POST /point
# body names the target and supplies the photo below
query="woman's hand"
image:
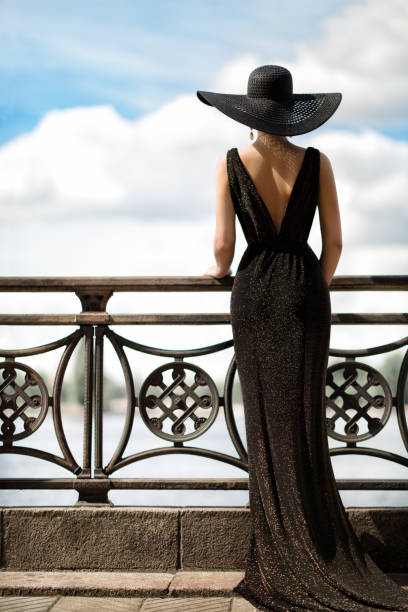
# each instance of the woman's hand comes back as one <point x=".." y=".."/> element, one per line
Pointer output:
<point x="215" y="272"/>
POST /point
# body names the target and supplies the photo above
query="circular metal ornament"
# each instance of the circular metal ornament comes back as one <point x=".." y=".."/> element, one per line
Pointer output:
<point x="23" y="396"/>
<point x="359" y="399"/>
<point x="178" y="401"/>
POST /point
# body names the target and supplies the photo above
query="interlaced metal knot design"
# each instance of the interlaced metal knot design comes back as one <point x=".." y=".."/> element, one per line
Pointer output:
<point x="23" y="400"/>
<point x="358" y="401"/>
<point x="178" y="401"/>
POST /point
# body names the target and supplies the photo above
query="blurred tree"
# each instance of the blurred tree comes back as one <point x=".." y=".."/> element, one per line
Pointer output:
<point x="390" y="370"/>
<point x="78" y="375"/>
<point x="73" y="387"/>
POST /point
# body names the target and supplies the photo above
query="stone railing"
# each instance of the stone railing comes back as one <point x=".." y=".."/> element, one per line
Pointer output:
<point x="178" y="401"/>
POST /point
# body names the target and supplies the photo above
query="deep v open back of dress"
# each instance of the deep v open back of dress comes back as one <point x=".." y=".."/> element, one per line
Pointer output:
<point x="262" y="201"/>
<point x="303" y="553"/>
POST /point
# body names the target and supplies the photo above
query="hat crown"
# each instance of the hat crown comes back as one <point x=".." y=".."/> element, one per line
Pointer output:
<point x="273" y="82"/>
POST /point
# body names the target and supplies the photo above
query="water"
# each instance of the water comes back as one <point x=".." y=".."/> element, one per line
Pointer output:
<point x="184" y="466"/>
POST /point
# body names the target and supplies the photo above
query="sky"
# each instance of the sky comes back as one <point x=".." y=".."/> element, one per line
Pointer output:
<point x="107" y="157"/>
<point x="135" y="55"/>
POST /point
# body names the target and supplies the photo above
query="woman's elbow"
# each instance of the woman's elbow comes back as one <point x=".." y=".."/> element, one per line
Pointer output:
<point x="333" y="245"/>
<point x="224" y="245"/>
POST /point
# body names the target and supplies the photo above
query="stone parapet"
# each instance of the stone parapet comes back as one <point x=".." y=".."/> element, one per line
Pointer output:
<point x="165" y="539"/>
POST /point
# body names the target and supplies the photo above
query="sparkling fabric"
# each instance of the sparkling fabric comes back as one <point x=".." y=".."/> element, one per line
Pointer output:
<point x="303" y="553"/>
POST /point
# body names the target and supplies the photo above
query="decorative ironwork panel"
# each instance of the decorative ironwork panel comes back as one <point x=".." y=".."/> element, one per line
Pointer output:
<point x="184" y="404"/>
<point x="23" y="400"/>
<point x="359" y="400"/>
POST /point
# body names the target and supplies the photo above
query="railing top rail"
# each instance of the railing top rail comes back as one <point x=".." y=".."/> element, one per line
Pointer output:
<point x="75" y="284"/>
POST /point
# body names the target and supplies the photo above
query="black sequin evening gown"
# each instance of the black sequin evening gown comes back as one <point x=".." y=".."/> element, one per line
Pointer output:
<point x="303" y="553"/>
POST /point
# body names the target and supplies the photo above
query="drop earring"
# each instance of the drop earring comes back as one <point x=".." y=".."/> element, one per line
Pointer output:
<point x="251" y="134"/>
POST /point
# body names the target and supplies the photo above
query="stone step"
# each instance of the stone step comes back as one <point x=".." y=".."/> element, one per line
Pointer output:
<point x="124" y="604"/>
<point x="119" y="584"/>
<point x="181" y="584"/>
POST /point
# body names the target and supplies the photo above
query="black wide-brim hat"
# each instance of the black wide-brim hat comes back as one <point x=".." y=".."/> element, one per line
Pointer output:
<point x="271" y="106"/>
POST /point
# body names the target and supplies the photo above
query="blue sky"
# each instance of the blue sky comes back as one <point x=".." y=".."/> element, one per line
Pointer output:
<point x="135" y="55"/>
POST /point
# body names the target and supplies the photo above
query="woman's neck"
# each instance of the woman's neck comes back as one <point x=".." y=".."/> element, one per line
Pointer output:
<point x="272" y="143"/>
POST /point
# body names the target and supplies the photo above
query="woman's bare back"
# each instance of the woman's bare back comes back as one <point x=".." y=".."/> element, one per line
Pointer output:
<point x="274" y="167"/>
<point x="274" y="173"/>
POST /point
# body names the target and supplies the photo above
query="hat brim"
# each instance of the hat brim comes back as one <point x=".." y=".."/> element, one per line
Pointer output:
<point x="302" y="113"/>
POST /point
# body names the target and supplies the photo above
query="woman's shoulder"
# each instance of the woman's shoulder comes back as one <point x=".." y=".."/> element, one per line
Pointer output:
<point x="325" y="163"/>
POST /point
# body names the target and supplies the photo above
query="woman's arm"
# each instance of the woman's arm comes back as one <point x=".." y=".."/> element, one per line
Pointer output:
<point x="224" y="240"/>
<point x="329" y="216"/>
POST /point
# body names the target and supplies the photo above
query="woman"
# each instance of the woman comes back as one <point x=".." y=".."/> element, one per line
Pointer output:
<point x="303" y="553"/>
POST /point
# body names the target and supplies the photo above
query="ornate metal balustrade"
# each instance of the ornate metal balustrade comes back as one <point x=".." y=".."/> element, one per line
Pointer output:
<point x="178" y="401"/>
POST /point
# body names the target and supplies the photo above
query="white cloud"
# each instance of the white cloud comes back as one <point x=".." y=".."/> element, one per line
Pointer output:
<point x="87" y="160"/>
<point x="372" y="182"/>
<point x="362" y="53"/>
<point x="90" y="161"/>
